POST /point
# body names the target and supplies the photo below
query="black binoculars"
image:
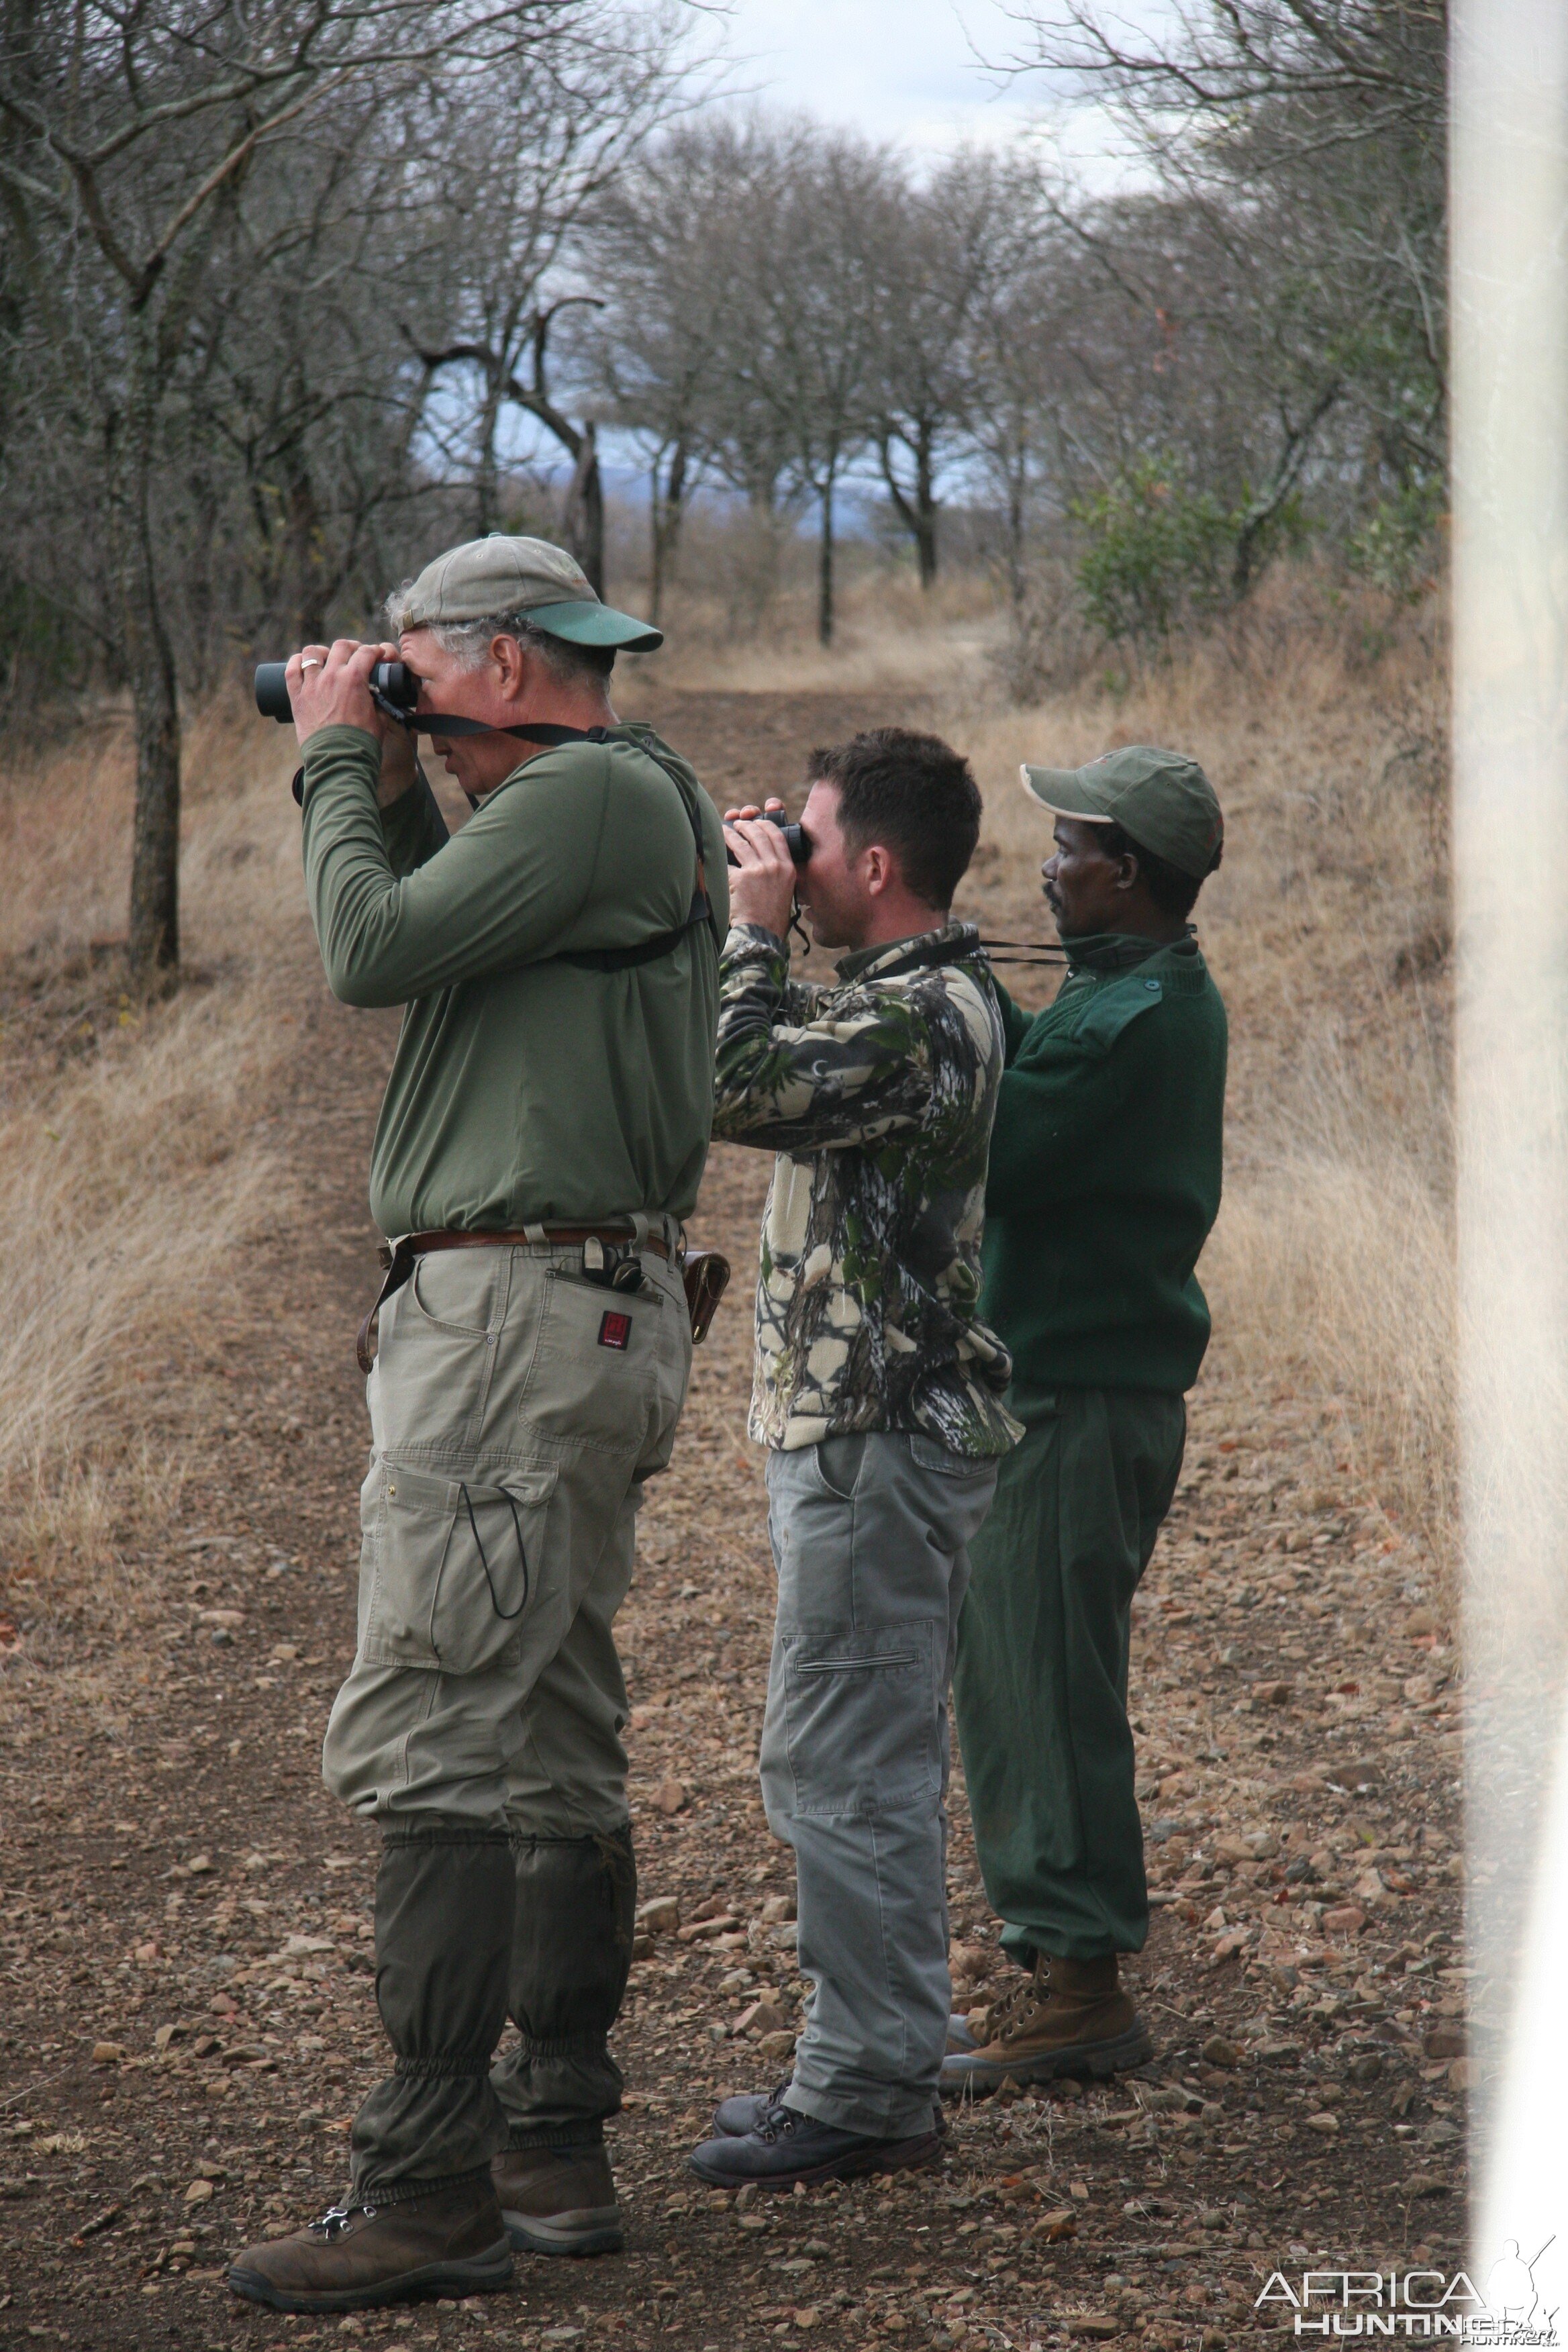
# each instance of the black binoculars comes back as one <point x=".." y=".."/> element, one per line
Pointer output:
<point x="392" y="687"/>
<point x="797" y="841"/>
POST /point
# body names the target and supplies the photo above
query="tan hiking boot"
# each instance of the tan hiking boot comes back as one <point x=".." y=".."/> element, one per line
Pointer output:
<point x="1071" y="2018"/>
<point x="995" y="2018"/>
<point x="559" y="2200"/>
<point x="450" y="2241"/>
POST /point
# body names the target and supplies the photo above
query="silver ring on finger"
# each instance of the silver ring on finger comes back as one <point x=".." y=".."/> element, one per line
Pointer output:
<point x="310" y="664"/>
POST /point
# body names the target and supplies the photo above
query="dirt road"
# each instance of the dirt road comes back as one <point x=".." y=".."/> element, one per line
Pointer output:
<point x="188" y="2021"/>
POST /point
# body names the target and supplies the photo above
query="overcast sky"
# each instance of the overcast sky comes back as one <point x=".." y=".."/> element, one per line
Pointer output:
<point x="914" y="71"/>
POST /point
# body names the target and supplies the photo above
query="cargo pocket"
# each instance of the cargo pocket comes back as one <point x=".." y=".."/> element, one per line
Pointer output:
<point x="860" y="1719"/>
<point x="455" y="1564"/>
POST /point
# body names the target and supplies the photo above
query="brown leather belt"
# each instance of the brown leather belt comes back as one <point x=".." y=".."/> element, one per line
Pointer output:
<point x="399" y="1259"/>
<point x="417" y="1244"/>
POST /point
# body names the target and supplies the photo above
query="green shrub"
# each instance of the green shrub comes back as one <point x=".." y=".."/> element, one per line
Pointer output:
<point x="1395" y="547"/>
<point x="1155" y="553"/>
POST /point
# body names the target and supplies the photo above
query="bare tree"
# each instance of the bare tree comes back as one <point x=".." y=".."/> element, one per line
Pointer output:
<point x="804" y="349"/>
<point x="299" y="408"/>
<point x="582" y="513"/>
<point x="514" y="208"/>
<point x="671" y="251"/>
<point x="941" y="253"/>
<point x="1316" y="131"/>
<point x="130" y="137"/>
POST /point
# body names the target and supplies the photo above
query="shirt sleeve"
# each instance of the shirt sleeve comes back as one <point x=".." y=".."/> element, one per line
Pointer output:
<point x="495" y="895"/>
<point x="793" y="1073"/>
<point x="1052" y="1099"/>
<point x="413" y="827"/>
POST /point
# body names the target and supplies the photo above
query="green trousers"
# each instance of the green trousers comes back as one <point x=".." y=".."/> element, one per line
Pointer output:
<point x="1040" y="1685"/>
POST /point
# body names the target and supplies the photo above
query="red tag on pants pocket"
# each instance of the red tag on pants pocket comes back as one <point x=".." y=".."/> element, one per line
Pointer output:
<point x="614" y="1330"/>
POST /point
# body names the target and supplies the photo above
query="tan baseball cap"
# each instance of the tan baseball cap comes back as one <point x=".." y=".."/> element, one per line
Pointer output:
<point x="1162" y="799"/>
<point x="497" y="574"/>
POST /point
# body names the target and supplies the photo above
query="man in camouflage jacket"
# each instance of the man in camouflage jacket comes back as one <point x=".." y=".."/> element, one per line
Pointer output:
<point x="879" y="1393"/>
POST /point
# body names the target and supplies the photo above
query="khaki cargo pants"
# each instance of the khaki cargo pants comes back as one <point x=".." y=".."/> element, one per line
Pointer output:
<point x="516" y="1411"/>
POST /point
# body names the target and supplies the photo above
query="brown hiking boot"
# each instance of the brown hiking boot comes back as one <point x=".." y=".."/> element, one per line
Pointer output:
<point x="1070" y="2018"/>
<point x="994" y="2019"/>
<point x="450" y="2241"/>
<point x="559" y="2200"/>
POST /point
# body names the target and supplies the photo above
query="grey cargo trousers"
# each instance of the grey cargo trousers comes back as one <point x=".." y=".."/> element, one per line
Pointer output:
<point x="516" y="1411"/>
<point x="870" y="1538"/>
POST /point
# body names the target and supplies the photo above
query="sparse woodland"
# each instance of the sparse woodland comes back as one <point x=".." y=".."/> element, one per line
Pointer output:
<point x="291" y="297"/>
<point x="285" y="292"/>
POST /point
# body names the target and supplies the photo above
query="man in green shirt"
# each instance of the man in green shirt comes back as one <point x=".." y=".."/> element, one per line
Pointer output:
<point x="542" y="1138"/>
<point x="1104" y="1181"/>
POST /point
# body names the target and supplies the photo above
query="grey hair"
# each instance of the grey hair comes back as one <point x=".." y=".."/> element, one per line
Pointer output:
<point x="469" y="641"/>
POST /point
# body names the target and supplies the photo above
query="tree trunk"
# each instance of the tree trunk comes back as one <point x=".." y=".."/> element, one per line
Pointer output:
<point x="200" y="600"/>
<point x="302" y="555"/>
<point x="925" y="509"/>
<point x="154" y="925"/>
<point x="824" y="569"/>
<point x="1015" y="581"/>
<point x="919" y="518"/>
<point x="585" y="516"/>
<point x="487" y="494"/>
<point x="669" y="510"/>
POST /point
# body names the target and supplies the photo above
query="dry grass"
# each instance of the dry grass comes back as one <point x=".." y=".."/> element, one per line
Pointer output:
<point x="886" y="634"/>
<point x="133" y="1154"/>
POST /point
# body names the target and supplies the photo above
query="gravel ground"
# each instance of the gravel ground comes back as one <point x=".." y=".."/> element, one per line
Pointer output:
<point x="188" y="2021"/>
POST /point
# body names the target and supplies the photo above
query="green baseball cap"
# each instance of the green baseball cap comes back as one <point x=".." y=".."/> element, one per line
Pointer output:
<point x="497" y="574"/>
<point x="1162" y="799"/>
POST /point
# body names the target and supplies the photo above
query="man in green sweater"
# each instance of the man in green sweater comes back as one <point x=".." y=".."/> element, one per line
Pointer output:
<point x="540" y="1140"/>
<point x="1104" y="1182"/>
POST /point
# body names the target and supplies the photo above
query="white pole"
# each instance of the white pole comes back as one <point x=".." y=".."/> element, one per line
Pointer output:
<point x="1510" y="212"/>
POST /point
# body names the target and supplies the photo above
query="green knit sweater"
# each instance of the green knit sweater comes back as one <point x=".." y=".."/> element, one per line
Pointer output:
<point x="1105" y="1171"/>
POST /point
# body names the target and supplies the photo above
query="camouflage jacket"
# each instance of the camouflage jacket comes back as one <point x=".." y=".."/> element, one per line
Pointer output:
<point x="878" y="1096"/>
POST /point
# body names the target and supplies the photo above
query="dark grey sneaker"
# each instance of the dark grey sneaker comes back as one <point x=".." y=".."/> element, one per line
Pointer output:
<point x="734" y="2118"/>
<point x="785" y="2146"/>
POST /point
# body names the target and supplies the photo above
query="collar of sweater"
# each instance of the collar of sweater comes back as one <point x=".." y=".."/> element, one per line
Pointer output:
<point x="1121" y="951"/>
<point x="949" y="945"/>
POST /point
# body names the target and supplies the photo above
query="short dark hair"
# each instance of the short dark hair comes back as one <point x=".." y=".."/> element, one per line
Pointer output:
<point x="1172" y="891"/>
<point x="913" y="792"/>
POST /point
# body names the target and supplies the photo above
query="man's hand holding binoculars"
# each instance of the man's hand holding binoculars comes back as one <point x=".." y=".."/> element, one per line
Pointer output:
<point x="762" y="871"/>
<point x="330" y="687"/>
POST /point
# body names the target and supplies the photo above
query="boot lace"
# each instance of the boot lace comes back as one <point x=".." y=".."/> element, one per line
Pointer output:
<point x="336" y="2219"/>
<point x="1014" y="2007"/>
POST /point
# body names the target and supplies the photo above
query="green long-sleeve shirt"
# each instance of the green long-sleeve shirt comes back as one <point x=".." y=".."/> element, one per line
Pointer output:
<point x="1105" y="1171"/>
<point x="525" y="1089"/>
